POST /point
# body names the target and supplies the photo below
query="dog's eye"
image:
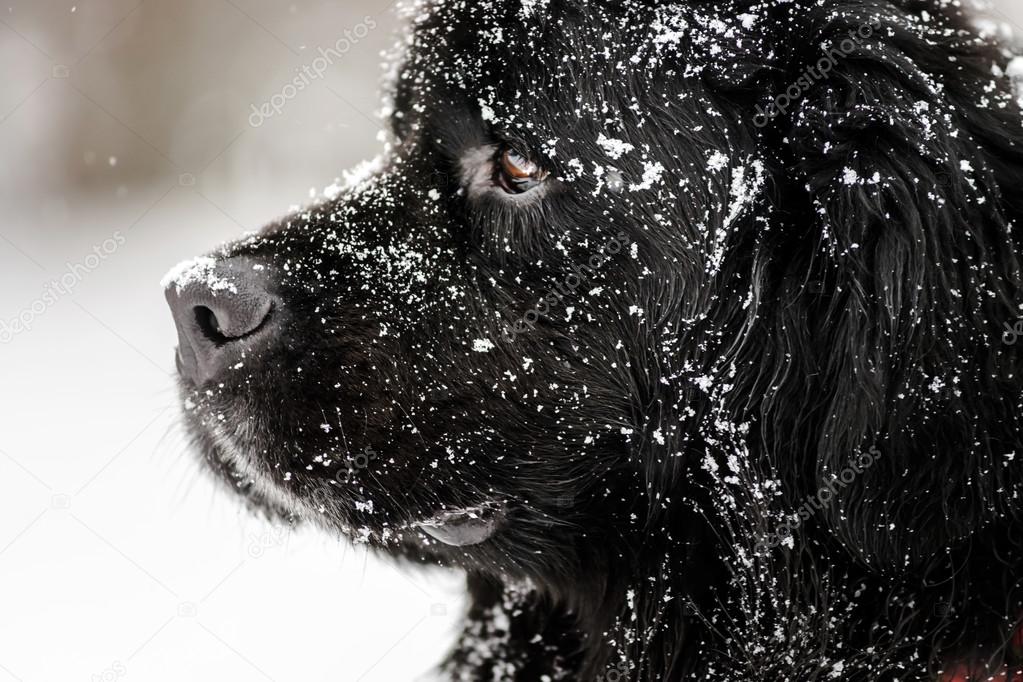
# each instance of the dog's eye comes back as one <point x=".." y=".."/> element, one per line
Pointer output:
<point x="516" y="173"/>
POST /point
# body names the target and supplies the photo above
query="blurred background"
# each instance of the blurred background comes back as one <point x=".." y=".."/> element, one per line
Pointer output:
<point x="133" y="135"/>
<point x="129" y="142"/>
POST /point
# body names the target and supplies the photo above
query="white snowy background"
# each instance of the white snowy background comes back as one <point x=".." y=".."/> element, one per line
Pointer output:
<point x="119" y="560"/>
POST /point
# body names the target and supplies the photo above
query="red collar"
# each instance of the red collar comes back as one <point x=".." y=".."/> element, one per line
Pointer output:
<point x="966" y="672"/>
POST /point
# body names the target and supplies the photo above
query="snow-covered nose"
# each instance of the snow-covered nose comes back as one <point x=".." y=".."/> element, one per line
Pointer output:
<point x="220" y="308"/>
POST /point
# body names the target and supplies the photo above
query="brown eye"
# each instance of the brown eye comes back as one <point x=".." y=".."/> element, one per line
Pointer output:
<point x="517" y="173"/>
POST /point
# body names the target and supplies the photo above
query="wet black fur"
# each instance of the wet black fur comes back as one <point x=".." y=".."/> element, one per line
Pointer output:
<point x="647" y="446"/>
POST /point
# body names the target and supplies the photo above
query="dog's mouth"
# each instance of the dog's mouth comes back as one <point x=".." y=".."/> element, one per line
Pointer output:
<point x="455" y="527"/>
<point x="464" y="527"/>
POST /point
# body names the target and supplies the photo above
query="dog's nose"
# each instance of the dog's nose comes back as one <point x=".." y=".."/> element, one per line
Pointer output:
<point x="220" y="308"/>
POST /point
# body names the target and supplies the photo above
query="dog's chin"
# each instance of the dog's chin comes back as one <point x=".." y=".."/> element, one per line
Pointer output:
<point x="459" y="527"/>
<point x="259" y="497"/>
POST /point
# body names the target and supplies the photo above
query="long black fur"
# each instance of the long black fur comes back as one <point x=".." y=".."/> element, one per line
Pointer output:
<point x="792" y="291"/>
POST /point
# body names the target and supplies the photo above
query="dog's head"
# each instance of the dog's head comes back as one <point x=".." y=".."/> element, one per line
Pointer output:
<point x="613" y="257"/>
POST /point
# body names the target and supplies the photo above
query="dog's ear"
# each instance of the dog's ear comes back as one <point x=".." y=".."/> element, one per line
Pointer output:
<point x="895" y="279"/>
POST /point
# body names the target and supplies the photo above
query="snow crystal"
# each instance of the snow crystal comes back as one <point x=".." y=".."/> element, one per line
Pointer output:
<point x="532" y="7"/>
<point x="616" y="149"/>
<point x="744" y="190"/>
<point x="1015" y="71"/>
<point x="717" y="161"/>
<point x="201" y="269"/>
<point x="670" y="28"/>
<point x="705" y="383"/>
<point x="362" y="175"/>
<point x="651" y="175"/>
<point x="332" y="191"/>
<point x="482" y="345"/>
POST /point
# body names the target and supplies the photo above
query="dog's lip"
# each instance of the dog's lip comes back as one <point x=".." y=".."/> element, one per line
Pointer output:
<point x="466" y="526"/>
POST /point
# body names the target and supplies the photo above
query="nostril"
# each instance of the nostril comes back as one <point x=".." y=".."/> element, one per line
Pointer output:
<point x="209" y="325"/>
<point x="231" y="323"/>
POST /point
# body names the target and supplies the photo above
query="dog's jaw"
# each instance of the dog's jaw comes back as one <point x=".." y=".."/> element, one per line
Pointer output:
<point x="228" y="449"/>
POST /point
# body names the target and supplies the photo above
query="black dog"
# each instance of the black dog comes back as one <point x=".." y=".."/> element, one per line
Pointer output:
<point x="687" y="330"/>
